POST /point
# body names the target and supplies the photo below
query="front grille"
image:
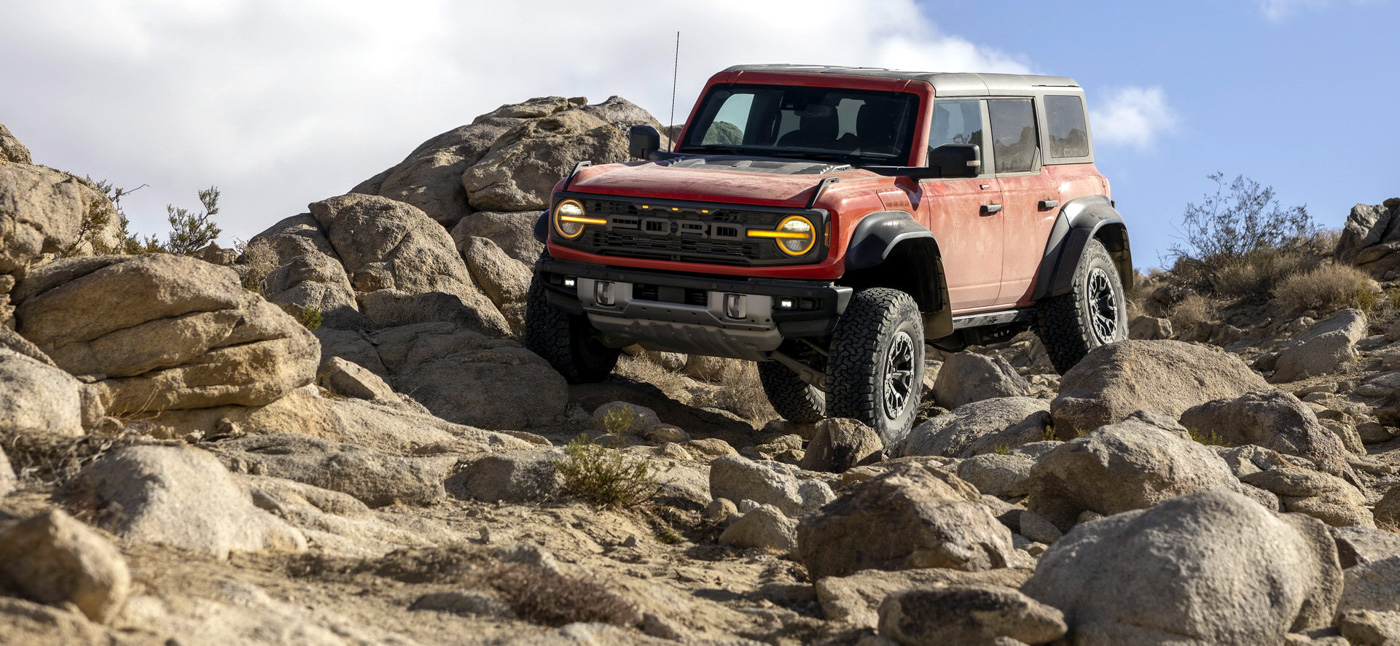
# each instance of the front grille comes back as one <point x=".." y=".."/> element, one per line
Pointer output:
<point x="713" y="234"/>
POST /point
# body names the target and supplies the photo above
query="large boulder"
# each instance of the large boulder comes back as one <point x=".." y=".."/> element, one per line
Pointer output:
<point x="303" y="270"/>
<point x="1373" y="586"/>
<point x="42" y="211"/>
<point x="979" y="427"/>
<point x="386" y="245"/>
<point x="505" y="280"/>
<point x="512" y="231"/>
<point x="738" y="478"/>
<point x="1207" y="568"/>
<point x="1274" y="420"/>
<point x="38" y="398"/>
<point x="1327" y="498"/>
<point x="968" y="614"/>
<point x="510" y="476"/>
<point x="764" y="527"/>
<point x="159" y="331"/>
<point x="856" y="598"/>
<point x="1165" y="377"/>
<point x="841" y="443"/>
<point x="1322" y="349"/>
<point x="967" y="377"/>
<point x="55" y="559"/>
<point x="1370" y="238"/>
<point x="1121" y="467"/>
<point x="11" y="149"/>
<point x="925" y="519"/>
<point x="470" y="378"/>
<point x="181" y="497"/>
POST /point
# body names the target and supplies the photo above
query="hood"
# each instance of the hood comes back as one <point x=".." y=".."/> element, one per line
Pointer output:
<point x="765" y="182"/>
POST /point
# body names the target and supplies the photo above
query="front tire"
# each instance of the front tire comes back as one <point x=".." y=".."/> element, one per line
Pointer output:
<point x="1094" y="312"/>
<point x="567" y="341"/>
<point x="794" y="400"/>
<point x="875" y="370"/>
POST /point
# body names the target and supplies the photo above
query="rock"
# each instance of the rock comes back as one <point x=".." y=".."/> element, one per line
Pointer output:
<point x="1038" y="528"/>
<point x="930" y="519"/>
<point x="512" y="231"/>
<point x="968" y="614"/>
<point x="710" y="447"/>
<point x="1165" y="377"/>
<point x="1247" y="459"/>
<point x="511" y="477"/>
<point x="8" y="481"/>
<point x="1121" y="467"/>
<point x="339" y="525"/>
<point x="768" y="483"/>
<point x="302" y="269"/>
<point x="181" y="497"/>
<point x="353" y="380"/>
<point x="1209" y="568"/>
<point x="1373" y="433"/>
<point x="1274" y="420"/>
<point x="840" y="444"/>
<point x="1322" y="349"/>
<point x="32" y="624"/>
<point x="187" y="335"/>
<point x="466" y="604"/>
<point x="11" y="149"/>
<point x="1149" y="328"/>
<point x="967" y="377"/>
<point x="1327" y="498"/>
<point x="505" y="280"/>
<point x="389" y="245"/>
<point x="55" y="559"/>
<point x="623" y="418"/>
<point x="374" y="478"/>
<point x="1369" y="627"/>
<point x="42" y="211"/>
<point x="526" y="161"/>
<point x="12" y="341"/>
<point x="855" y="599"/>
<point x="1357" y="545"/>
<point x="468" y="378"/>
<point x="979" y="427"/>
<point x="1002" y="475"/>
<point x="38" y="398"/>
<point x="765" y="527"/>
<point x="720" y="509"/>
<point x="666" y="433"/>
<point x="1372" y="586"/>
<point x="1368" y="239"/>
<point x="1387" y="510"/>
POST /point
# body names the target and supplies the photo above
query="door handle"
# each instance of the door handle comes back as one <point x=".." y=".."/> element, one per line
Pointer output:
<point x="1048" y="204"/>
<point x="990" y="209"/>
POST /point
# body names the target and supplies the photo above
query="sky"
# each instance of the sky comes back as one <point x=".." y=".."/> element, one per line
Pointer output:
<point x="285" y="102"/>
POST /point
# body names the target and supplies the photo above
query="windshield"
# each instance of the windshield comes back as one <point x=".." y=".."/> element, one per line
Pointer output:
<point x="830" y="124"/>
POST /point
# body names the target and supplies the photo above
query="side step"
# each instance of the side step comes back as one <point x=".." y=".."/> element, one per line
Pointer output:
<point x="992" y="318"/>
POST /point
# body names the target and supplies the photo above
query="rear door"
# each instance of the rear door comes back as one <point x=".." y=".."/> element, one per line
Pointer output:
<point x="965" y="214"/>
<point x="1029" y="198"/>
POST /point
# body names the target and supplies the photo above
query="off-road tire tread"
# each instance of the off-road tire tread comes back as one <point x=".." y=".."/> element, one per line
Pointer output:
<point x="1061" y="322"/>
<point x="794" y="400"/>
<point x="851" y="372"/>
<point x="549" y="334"/>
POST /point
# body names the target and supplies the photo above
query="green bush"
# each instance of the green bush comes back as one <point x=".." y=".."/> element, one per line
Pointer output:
<point x="1240" y="236"/>
<point x="606" y="476"/>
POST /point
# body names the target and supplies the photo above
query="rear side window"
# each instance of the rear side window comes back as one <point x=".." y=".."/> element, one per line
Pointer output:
<point x="1069" y="136"/>
<point x="1014" y="140"/>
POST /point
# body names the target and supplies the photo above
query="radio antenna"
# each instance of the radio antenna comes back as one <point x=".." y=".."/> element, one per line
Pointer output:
<point x="675" y="73"/>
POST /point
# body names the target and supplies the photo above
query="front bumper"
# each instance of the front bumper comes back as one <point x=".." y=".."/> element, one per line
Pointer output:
<point x="708" y="315"/>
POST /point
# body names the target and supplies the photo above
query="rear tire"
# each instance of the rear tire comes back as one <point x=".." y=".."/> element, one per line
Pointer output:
<point x="567" y="341"/>
<point x="1094" y="312"/>
<point x="794" y="400"/>
<point x="875" y="369"/>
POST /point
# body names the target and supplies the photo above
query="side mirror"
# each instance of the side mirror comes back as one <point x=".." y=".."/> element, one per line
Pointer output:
<point x="956" y="160"/>
<point x="642" y="141"/>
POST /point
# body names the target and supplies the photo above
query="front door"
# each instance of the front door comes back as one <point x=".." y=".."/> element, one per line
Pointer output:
<point x="965" y="214"/>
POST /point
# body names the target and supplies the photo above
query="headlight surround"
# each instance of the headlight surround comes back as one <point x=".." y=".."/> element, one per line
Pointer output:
<point x="795" y="235"/>
<point x="569" y="219"/>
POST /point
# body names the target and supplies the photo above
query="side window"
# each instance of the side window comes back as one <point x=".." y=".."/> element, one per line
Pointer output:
<point x="1069" y="136"/>
<point x="1014" y="139"/>
<point x="956" y="122"/>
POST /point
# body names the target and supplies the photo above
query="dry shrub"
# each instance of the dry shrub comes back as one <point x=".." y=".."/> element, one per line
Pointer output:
<point x="1191" y="312"/>
<point x="1259" y="272"/>
<point x="55" y="459"/>
<point x="743" y="394"/>
<point x="260" y="259"/>
<point x="552" y="598"/>
<point x="1326" y="289"/>
<point x="713" y="369"/>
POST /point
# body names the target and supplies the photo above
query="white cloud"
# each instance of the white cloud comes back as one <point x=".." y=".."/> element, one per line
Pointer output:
<point x="1131" y="116"/>
<point x="1279" y="9"/>
<point x="283" y="103"/>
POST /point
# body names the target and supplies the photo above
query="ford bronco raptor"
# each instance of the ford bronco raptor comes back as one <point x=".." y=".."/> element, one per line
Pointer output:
<point x="827" y="222"/>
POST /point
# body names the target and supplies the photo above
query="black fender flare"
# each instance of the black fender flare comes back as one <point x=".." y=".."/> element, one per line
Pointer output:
<point x="542" y="228"/>
<point x="1081" y="220"/>
<point x="896" y="236"/>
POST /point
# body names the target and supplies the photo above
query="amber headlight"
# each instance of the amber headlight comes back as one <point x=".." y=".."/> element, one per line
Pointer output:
<point x="569" y="219"/>
<point x="795" y="235"/>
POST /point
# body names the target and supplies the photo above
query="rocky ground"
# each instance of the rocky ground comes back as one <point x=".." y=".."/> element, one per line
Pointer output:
<point x="185" y="461"/>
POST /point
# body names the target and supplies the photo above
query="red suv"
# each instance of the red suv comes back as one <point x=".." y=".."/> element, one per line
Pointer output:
<point x="827" y="222"/>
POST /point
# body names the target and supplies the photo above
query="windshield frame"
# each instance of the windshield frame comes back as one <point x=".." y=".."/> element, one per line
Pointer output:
<point x="706" y="111"/>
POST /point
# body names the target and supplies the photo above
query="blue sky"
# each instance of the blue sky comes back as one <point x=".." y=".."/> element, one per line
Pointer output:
<point x="281" y="103"/>
<point x="1303" y="96"/>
